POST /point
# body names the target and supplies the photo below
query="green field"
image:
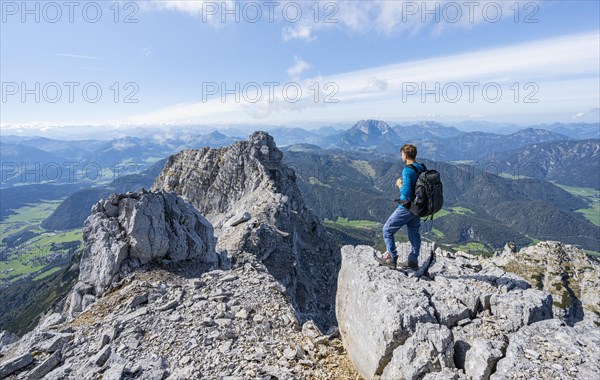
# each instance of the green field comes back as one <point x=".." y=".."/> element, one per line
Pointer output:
<point x="31" y="255"/>
<point x="46" y="273"/>
<point x="592" y="196"/>
<point x="27" y="217"/>
<point x="471" y="247"/>
<point x="453" y="210"/>
<point x="437" y="233"/>
<point x="367" y="224"/>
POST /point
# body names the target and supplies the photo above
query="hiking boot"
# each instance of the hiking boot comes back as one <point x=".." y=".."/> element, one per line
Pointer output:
<point x="387" y="260"/>
<point x="408" y="265"/>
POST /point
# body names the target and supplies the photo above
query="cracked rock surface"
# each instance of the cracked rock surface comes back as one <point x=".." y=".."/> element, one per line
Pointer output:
<point x="458" y="316"/>
<point x="127" y="231"/>
<point x="189" y="324"/>
<point x="251" y="198"/>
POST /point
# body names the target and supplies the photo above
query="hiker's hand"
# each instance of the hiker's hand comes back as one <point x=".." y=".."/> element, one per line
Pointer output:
<point x="399" y="182"/>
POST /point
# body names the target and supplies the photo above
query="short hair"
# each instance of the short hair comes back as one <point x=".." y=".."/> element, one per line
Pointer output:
<point x="410" y="151"/>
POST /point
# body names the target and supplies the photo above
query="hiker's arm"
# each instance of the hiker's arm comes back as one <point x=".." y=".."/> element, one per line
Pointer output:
<point x="406" y="185"/>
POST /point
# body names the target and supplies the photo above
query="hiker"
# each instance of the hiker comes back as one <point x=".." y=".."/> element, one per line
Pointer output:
<point x="403" y="216"/>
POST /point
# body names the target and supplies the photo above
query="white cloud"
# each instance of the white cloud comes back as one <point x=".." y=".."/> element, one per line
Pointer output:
<point x="385" y="17"/>
<point x="556" y="65"/>
<point x="69" y="55"/>
<point x="298" y="68"/>
<point x="376" y="85"/>
<point x="594" y="112"/>
<point x="297" y="32"/>
<point x="148" y="51"/>
<point x="564" y="68"/>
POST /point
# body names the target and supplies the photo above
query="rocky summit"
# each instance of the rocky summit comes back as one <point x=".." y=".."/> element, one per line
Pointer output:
<point x="220" y="271"/>
<point x="254" y="204"/>
<point x="458" y="317"/>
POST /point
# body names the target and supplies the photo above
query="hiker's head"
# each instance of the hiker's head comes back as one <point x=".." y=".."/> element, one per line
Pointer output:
<point x="409" y="152"/>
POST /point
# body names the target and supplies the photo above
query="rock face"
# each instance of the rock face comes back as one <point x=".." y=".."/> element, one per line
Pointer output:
<point x="127" y="231"/>
<point x="458" y="316"/>
<point x="176" y="322"/>
<point x="252" y="200"/>
<point x="566" y="272"/>
<point x="156" y="300"/>
<point x="552" y="350"/>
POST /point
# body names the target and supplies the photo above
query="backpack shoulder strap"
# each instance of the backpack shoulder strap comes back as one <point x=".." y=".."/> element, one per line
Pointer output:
<point x="417" y="170"/>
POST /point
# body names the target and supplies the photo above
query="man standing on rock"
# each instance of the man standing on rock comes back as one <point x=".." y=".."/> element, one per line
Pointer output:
<point x="402" y="214"/>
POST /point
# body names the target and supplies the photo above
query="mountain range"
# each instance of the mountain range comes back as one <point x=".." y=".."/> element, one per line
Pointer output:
<point x="339" y="184"/>
<point x="222" y="271"/>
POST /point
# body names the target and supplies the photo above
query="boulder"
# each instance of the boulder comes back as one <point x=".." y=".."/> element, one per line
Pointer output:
<point x="150" y="227"/>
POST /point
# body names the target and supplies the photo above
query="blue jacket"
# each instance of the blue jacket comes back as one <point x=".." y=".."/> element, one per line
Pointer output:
<point x="409" y="180"/>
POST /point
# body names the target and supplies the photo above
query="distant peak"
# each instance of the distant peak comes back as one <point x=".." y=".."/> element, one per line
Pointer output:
<point x="371" y="126"/>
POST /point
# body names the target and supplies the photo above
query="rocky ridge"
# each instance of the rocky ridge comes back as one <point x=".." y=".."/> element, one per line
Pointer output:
<point x="459" y="316"/>
<point x="162" y="294"/>
<point x="565" y="271"/>
<point x="178" y="323"/>
<point x="128" y="231"/>
<point x="158" y="297"/>
<point x="252" y="200"/>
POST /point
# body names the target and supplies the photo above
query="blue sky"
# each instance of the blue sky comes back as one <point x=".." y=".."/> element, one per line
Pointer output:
<point x="169" y="63"/>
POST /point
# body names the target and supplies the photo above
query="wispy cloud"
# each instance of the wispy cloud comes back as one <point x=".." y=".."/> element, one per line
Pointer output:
<point x="594" y="112"/>
<point x="380" y="16"/>
<point x="559" y="66"/>
<point x="298" y="68"/>
<point x="298" y="32"/>
<point x="70" y="55"/>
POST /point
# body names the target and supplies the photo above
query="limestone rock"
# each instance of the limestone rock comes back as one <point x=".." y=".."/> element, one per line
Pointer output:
<point x="565" y="271"/>
<point x="46" y="366"/>
<point x="249" y="177"/>
<point x="429" y="350"/>
<point x="429" y="324"/>
<point x="377" y="309"/>
<point x="9" y="366"/>
<point x="481" y="359"/>
<point x="150" y="227"/>
<point x="6" y="339"/>
<point x="522" y="307"/>
<point x="552" y="350"/>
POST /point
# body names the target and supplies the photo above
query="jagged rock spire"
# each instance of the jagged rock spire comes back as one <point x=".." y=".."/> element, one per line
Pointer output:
<point x="251" y="198"/>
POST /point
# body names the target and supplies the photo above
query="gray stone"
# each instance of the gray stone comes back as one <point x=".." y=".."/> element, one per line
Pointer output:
<point x="395" y="305"/>
<point x="45" y="367"/>
<point x="521" y="307"/>
<point x="238" y="219"/>
<point x="169" y="305"/>
<point x="430" y="349"/>
<point x="481" y="359"/>
<point x="15" y="364"/>
<point x="156" y="226"/>
<point x="138" y="300"/>
<point x="242" y="314"/>
<point x="102" y="356"/>
<point x="446" y="374"/>
<point x="530" y="352"/>
<point x="114" y="372"/>
<point x="6" y="339"/>
<point x="310" y="330"/>
<point x="53" y="344"/>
